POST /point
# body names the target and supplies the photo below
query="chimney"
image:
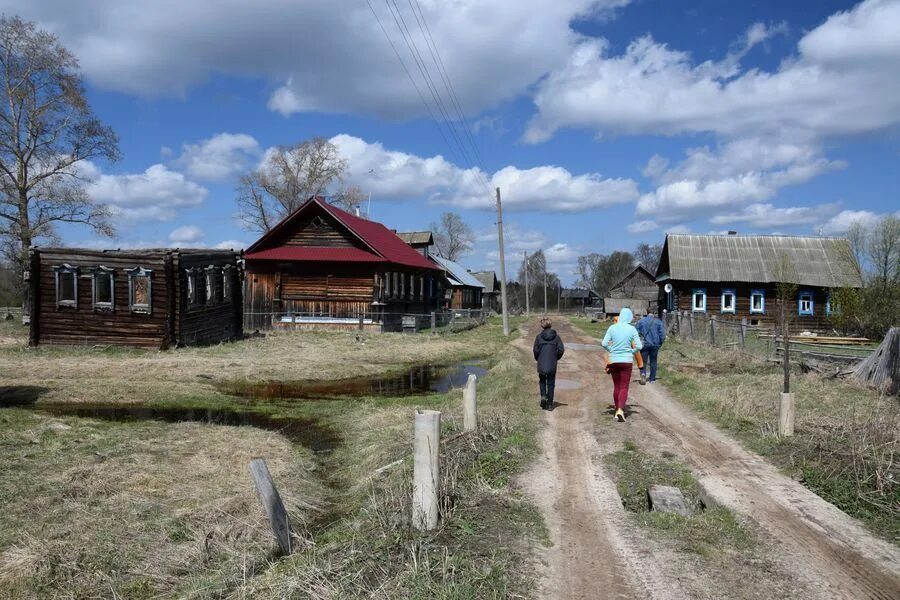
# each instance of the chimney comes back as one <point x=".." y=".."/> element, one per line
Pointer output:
<point x="732" y="233"/>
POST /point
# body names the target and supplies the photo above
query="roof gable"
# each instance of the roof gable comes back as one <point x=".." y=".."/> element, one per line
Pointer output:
<point x="458" y="272"/>
<point x="817" y="261"/>
<point x="417" y="238"/>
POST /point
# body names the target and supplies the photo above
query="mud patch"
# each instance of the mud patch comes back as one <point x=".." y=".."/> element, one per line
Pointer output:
<point x="303" y="431"/>
<point x="20" y="395"/>
<point x="421" y="379"/>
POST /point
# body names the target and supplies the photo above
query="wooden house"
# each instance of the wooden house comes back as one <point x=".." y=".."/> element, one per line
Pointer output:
<point x="145" y="298"/>
<point x="577" y="299"/>
<point x="637" y="291"/>
<point x="421" y="241"/>
<point x="735" y="276"/>
<point x="490" y="293"/>
<point x="324" y="267"/>
<point x="464" y="291"/>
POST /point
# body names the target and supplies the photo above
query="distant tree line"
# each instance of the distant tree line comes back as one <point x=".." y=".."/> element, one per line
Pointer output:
<point x="601" y="272"/>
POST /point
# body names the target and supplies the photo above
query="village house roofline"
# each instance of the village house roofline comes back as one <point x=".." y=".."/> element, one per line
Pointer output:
<point x="376" y="237"/>
<point x="417" y="237"/>
<point x="457" y="272"/>
<point x="133" y="251"/>
<point x="817" y="261"/>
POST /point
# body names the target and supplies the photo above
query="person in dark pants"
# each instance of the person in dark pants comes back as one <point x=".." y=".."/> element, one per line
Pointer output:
<point x="548" y="349"/>
<point x="653" y="335"/>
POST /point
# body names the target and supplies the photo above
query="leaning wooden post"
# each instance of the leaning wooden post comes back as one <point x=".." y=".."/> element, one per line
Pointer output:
<point x="786" y="415"/>
<point x="470" y="404"/>
<point x="712" y="329"/>
<point x="433" y="322"/>
<point x="743" y="332"/>
<point x="362" y="317"/>
<point x="271" y="501"/>
<point x="691" y="321"/>
<point x="426" y="469"/>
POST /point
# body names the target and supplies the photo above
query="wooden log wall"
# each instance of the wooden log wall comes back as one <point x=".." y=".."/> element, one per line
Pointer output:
<point x="86" y="325"/>
<point x="216" y="320"/>
<point x="318" y="228"/>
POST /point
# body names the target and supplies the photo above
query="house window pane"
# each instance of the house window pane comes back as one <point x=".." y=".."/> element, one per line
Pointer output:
<point x="66" y="287"/>
<point x="699" y="300"/>
<point x="757" y="301"/>
<point x="103" y="282"/>
<point x="728" y="301"/>
<point x="226" y="284"/>
<point x="140" y="290"/>
<point x="806" y="304"/>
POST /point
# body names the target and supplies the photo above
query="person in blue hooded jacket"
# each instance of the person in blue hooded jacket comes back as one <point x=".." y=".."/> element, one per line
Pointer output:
<point x="622" y="342"/>
<point x="653" y="334"/>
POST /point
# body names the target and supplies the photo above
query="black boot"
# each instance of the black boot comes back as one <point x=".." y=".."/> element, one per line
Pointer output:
<point x="549" y="404"/>
<point x="543" y="403"/>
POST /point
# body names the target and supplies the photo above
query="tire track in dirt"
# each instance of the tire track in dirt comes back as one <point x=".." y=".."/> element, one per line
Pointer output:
<point x="593" y="555"/>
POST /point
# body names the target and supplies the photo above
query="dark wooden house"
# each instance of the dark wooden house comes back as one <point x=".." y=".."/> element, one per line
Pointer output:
<point x="637" y="291"/>
<point x="735" y="276"/>
<point x="145" y="298"/>
<point x="324" y="267"/>
<point x="578" y="299"/>
<point x="490" y="294"/>
<point x="464" y="291"/>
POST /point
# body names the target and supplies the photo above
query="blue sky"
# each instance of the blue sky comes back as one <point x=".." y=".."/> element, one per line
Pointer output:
<point x="604" y="123"/>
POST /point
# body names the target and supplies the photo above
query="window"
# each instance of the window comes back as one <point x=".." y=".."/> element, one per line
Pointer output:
<point x="729" y="301"/>
<point x="757" y="302"/>
<point x="831" y="306"/>
<point x="698" y="302"/>
<point x="66" y="286"/>
<point x="317" y="222"/>
<point x="211" y="277"/>
<point x="103" y="288"/>
<point x="805" y="303"/>
<point x="226" y="283"/>
<point x="140" y="292"/>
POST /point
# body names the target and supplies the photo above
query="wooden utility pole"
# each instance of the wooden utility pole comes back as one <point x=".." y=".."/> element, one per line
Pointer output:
<point x="502" y="267"/>
<point x="545" y="287"/>
<point x="527" y="294"/>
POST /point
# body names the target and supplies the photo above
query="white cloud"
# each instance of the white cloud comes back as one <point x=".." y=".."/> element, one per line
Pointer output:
<point x="642" y="226"/>
<point x="826" y="90"/>
<point x="187" y="234"/>
<point x="398" y="175"/>
<point x="157" y="193"/>
<point x="218" y="158"/>
<point x="230" y="245"/>
<point x="842" y="221"/>
<point x="678" y="229"/>
<point x="325" y="56"/>
<point x="766" y="215"/>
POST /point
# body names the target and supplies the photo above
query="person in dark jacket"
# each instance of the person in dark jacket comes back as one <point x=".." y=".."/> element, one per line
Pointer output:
<point x="653" y="334"/>
<point x="548" y="349"/>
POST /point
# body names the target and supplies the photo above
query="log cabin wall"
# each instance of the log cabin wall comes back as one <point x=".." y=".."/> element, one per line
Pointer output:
<point x="83" y="322"/>
<point x="214" y="313"/>
<point x="818" y="321"/>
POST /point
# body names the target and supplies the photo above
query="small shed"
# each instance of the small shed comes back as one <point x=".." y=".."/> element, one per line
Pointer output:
<point x="577" y="298"/>
<point x="156" y="298"/>
<point x="738" y="275"/>
<point x="465" y="290"/>
<point x="637" y="291"/>
<point x="490" y="295"/>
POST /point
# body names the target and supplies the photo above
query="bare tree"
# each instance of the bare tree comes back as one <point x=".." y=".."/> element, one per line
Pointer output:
<point x="587" y="269"/>
<point x="288" y="177"/>
<point x="347" y="198"/>
<point x="648" y="255"/>
<point x="47" y="128"/>
<point x="611" y="269"/>
<point x="453" y="238"/>
<point x="883" y="252"/>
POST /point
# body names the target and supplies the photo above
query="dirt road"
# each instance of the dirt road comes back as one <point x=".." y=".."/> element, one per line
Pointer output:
<point x="819" y="550"/>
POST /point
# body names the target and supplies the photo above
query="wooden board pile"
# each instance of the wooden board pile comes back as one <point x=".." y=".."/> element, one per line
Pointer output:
<point x="881" y="369"/>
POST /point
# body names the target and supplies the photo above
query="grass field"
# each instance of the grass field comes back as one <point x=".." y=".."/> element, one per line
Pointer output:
<point x="142" y="509"/>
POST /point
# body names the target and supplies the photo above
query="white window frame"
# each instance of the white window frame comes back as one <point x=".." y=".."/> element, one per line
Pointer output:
<point x="811" y="298"/>
<point x="101" y="270"/>
<point x="762" y="304"/>
<point x="133" y="275"/>
<point x="210" y="283"/>
<point x="226" y="283"/>
<point x="66" y="269"/>
<point x="728" y="292"/>
<point x="698" y="292"/>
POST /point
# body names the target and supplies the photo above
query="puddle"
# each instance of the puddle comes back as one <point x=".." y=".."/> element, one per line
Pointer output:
<point x="306" y="432"/>
<point x="567" y="384"/>
<point x="417" y="380"/>
<point x="20" y="395"/>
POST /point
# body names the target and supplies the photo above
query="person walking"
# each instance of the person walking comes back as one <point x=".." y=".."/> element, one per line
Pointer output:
<point x="548" y="349"/>
<point x="653" y="335"/>
<point x="622" y="342"/>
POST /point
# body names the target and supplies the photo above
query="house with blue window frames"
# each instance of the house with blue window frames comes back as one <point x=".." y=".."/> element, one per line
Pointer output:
<point x="735" y="276"/>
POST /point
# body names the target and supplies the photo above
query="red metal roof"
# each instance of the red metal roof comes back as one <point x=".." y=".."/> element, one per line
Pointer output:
<point x="315" y="254"/>
<point x="385" y="245"/>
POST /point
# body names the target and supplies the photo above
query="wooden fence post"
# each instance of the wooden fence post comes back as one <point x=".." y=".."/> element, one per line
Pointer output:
<point x="362" y="317"/>
<point x="426" y="469"/>
<point x="691" y="321"/>
<point x="743" y="332"/>
<point x="271" y="501"/>
<point x="433" y="322"/>
<point x="680" y="317"/>
<point x="470" y="404"/>
<point x="786" y="415"/>
<point x="713" y="322"/>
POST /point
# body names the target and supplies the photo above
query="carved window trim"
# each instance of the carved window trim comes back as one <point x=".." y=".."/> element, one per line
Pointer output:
<point x="134" y="274"/>
<point x="95" y="288"/>
<point x="64" y="271"/>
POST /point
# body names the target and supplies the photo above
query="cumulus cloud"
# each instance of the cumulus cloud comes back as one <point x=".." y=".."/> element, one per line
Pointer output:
<point x="187" y="234"/>
<point x="231" y="245"/>
<point x="767" y="215"/>
<point x="324" y="56"/>
<point x="218" y="158"/>
<point x="156" y="194"/>
<point x="642" y="226"/>
<point x="825" y="90"/>
<point x="842" y="221"/>
<point x="399" y="175"/>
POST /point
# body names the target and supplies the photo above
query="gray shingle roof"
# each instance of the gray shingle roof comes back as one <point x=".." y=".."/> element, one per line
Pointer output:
<point x="457" y="272"/>
<point x="816" y="261"/>
<point x="416" y="237"/>
<point x="487" y="279"/>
